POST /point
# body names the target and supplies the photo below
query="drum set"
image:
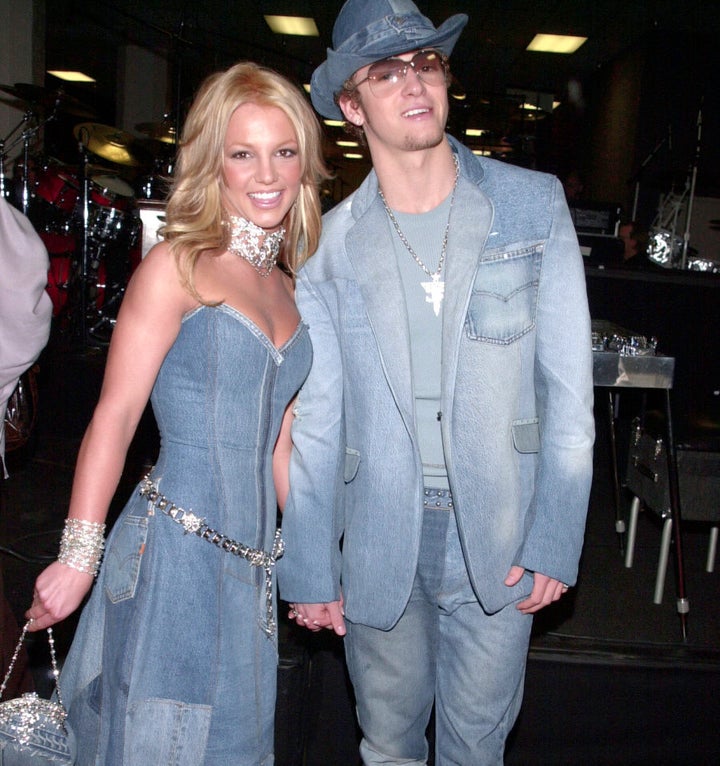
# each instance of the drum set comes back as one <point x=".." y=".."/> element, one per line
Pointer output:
<point x="86" y="211"/>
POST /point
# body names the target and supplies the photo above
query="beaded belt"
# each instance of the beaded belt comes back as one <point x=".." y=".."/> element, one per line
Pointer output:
<point x="197" y="526"/>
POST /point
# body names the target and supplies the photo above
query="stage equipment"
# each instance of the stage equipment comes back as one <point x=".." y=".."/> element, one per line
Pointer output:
<point x="669" y="236"/>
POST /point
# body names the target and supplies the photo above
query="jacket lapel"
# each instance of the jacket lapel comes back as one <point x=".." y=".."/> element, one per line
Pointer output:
<point x="472" y="218"/>
<point x="371" y="254"/>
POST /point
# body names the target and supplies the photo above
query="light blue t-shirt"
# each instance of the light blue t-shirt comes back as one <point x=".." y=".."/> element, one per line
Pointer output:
<point x="424" y="232"/>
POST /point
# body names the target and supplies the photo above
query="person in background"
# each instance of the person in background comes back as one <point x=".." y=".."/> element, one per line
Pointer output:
<point x="443" y="440"/>
<point x="175" y="656"/>
<point x="25" y="317"/>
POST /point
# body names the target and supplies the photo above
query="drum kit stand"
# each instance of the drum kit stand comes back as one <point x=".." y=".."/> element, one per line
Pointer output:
<point x="86" y="212"/>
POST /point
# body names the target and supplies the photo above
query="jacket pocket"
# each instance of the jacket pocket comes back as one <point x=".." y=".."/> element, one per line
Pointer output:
<point x="504" y="297"/>
<point x="352" y="463"/>
<point x="122" y="560"/>
<point x="526" y="435"/>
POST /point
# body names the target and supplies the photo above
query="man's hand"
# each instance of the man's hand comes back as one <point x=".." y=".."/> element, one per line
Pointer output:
<point x="318" y="616"/>
<point x="545" y="590"/>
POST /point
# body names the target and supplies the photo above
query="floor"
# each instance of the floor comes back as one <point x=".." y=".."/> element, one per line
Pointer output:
<point x="611" y="679"/>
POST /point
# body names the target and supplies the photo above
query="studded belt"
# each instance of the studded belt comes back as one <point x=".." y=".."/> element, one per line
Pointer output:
<point x="197" y="525"/>
<point x="438" y="499"/>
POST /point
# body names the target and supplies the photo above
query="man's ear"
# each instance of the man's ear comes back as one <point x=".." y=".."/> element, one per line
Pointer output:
<point x="351" y="109"/>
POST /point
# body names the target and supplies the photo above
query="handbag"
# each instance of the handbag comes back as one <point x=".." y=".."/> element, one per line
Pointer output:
<point x="34" y="730"/>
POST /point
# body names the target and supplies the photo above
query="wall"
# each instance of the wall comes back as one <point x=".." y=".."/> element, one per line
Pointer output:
<point x="22" y="33"/>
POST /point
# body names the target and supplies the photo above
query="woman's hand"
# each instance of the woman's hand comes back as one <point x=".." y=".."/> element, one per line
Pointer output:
<point x="59" y="591"/>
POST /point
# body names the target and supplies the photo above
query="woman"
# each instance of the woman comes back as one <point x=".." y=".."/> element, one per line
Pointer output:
<point x="174" y="659"/>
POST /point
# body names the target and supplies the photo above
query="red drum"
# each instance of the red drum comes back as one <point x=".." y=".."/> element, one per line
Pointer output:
<point x="58" y="187"/>
<point x="60" y="276"/>
<point x="57" y="242"/>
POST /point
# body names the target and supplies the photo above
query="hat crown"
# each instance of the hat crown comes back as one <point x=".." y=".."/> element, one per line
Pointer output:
<point x="366" y="31"/>
<point x="361" y="21"/>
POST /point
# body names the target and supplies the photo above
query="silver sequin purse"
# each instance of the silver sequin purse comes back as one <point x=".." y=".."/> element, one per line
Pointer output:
<point x="33" y="730"/>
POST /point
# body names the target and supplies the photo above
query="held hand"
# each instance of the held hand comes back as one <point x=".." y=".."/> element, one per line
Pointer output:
<point x="59" y="590"/>
<point x="545" y="590"/>
<point x="315" y="617"/>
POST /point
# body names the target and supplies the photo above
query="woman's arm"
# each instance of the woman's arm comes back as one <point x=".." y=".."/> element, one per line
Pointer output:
<point x="147" y="325"/>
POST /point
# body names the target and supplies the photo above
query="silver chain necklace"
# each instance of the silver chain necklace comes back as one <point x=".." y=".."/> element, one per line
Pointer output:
<point x="435" y="288"/>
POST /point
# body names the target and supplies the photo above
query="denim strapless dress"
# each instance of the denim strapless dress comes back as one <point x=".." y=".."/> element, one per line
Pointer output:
<point x="171" y="664"/>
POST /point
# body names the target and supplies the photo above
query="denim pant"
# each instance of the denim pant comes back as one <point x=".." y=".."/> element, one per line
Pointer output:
<point x="444" y="649"/>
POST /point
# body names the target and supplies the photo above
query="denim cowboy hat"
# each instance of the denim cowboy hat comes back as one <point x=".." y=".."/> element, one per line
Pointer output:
<point x="369" y="30"/>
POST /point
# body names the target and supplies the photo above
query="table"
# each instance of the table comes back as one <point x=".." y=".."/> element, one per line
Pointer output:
<point x="616" y="371"/>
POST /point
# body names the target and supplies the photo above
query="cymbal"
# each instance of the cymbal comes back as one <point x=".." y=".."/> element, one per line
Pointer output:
<point x="111" y="144"/>
<point x="47" y="100"/>
<point x="160" y="131"/>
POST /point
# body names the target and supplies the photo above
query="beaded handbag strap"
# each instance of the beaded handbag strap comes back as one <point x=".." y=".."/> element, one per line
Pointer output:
<point x="16" y="653"/>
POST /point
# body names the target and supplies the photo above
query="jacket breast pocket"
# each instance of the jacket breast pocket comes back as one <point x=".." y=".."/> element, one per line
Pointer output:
<point x="504" y="297"/>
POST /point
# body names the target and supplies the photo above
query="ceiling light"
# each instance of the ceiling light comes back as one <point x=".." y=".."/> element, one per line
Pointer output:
<point x="352" y="156"/>
<point x="306" y="87"/>
<point x="347" y="143"/>
<point x="293" y="25"/>
<point x="482" y="152"/>
<point x="555" y="43"/>
<point x="70" y="76"/>
<point x="334" y="123"/>
<point x="475" y="132"/>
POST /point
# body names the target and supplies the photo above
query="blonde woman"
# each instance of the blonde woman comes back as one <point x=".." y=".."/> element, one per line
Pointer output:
<point x="174" y="659"/>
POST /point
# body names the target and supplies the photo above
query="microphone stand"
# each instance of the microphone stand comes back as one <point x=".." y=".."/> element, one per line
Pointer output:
<point x="642" y="167"/>
<point x="686" y="236"/>
<point x="84" y="244"/>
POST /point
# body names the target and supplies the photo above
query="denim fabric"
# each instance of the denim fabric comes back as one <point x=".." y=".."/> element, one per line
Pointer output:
<point x="445" y="649"/>
<point x="369" y="30"/>
<point x="170" y="664"/>
<point x="516" y="399"/>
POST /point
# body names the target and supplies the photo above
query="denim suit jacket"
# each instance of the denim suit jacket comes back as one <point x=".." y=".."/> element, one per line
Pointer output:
<point x="516" y="399"/>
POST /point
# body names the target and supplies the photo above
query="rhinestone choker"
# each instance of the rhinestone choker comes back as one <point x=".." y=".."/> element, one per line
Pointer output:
<point x="258" y="247"/>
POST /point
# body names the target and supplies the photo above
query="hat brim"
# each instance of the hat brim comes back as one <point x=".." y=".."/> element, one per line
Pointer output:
<point x="329" y="78"/>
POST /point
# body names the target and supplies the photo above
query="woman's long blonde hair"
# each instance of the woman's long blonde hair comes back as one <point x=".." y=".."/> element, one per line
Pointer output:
<point x="194" y="214"/>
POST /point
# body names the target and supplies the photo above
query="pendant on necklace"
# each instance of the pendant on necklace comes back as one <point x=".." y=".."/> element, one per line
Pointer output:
<point x="434" y="292"/>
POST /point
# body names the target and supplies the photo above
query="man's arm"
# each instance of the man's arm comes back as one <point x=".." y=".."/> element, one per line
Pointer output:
<point x="564" y="396"/>
<point x="309" y="571"/>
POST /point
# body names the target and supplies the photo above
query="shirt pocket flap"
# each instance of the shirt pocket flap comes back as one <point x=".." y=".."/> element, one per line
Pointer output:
<point x="352" y="463"/>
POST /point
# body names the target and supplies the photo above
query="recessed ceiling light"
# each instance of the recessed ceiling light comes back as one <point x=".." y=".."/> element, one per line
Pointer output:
<point x="555" y="43"/>
<point x="70" y="76"/>
<point x="475" y="131"/>
<point x="293" y="25"/>
<point x="347" y="143"/>
<point x="334" y="123"/>
<point x="352" y="156"/>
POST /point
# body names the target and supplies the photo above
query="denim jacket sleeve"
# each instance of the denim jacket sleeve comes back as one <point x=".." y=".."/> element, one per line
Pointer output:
<point x="309" y="571"/>
<point x="564" y="400"/>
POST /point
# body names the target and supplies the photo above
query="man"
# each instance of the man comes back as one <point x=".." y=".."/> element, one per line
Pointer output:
<point x="443" y="440"/>
<point x="25" y="315"/>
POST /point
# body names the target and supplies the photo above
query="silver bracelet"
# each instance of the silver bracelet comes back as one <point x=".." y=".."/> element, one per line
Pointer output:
<point x="82" y="544"/>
